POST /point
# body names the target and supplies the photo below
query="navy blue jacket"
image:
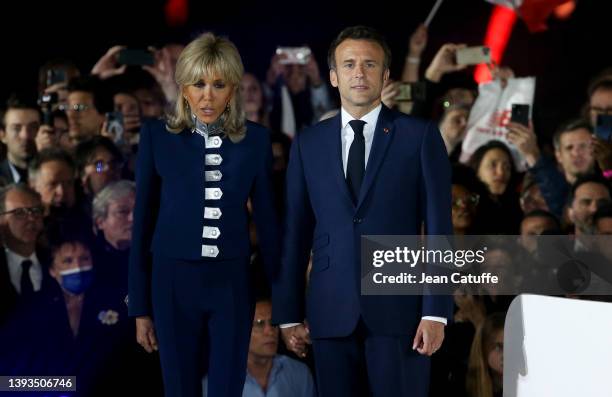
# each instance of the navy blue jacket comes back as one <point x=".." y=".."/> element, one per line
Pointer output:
<point x="407" y="183"/>
<point x="170" y="216"/>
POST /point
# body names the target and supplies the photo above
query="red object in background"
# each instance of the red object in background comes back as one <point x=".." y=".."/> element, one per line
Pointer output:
<point x="176" y="12"/>
<point x="536" y="12"/>
<point x="498" y="33"/>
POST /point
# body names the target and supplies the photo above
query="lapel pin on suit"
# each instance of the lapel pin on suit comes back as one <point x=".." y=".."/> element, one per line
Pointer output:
<point x="386" y="130"/>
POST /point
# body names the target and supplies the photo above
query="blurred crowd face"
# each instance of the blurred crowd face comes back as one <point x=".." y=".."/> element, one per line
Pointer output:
<point x="534" y="226"/>
<point x="208" y="97"/>
<point x="150" y="104"/>
<point x="295" y="77"/>
<point x="117" y="225"/>
<point x="495" y="170"/>
<point x="453" y="124"/>
<point x="55" y="184"/>
<point x="21" y="126"/>
<point x="604" y="226"/>
<point x="102" y="169"/>
<point x="574" y="152"/>
<point x="129" y="107"/>
<point x="24" y="223"/>
<point x="495" y="357"/>
<point x="463" y="208"/>
<point x="532" y="199"/>
<point x="252" y="96"/>
<point x="589" y="196"/>
<point x="600" y="103"/>
<point x="359" y="75"/>
<point x="84" y="120"/>
<point x="70" y="256"/>
<point x="264" y="335"/>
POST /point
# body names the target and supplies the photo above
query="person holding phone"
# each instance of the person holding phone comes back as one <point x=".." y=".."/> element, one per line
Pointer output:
<point x="189" y="286"/>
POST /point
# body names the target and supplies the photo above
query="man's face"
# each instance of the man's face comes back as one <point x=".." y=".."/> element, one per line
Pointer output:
<point x="600" y="103"/>
<point x="21" y="226"/>
<point x="589" y="196"/>
<point x="101" y="170"/>
<point x="532" y="199"/>
<point x="126" y="105"/>
<point x="21" y="128"/>
<point x="117" y="225"/>
<point x="574" y="152"/>
<point x="55" y="184"/>
<point x="84" y="120"/>
<point x="264" y="337"/>
<point x="150" y="107"/>
<point x="359" y="74"/>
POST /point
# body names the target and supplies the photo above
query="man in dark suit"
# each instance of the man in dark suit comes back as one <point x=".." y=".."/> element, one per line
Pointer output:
<point x="18" y="128"/>
<point x="22" y="267"/>
<point x="367" y="171"/>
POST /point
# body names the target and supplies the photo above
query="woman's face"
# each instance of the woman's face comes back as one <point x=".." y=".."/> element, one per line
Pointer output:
<point x="453" y="124"/>
<point x="494" y="171"/>
<point x="495" y="358"/>
<point x="464" y="206"/>
<point x="208" y="97"/>
<point x="252" y="95"/>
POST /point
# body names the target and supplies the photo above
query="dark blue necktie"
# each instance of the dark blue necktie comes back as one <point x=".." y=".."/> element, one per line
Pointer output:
<point x="355" y="167"/>
<point x="27" y="288"/>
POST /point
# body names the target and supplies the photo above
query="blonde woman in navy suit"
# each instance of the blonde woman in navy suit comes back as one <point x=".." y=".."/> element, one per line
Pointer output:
<point x="189" y="277"/>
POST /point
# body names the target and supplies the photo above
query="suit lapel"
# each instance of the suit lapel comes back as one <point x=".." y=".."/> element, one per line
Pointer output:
<point x="334" y="133"/>
<point x="383" y="135"/>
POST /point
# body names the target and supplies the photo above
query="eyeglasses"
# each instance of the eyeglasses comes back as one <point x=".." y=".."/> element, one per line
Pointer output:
<point x="101" y="166"/>
<point x="259" y="325"/>
<point x="77" y="107"/>
<point x="471" y="200"/>
<point x="24" y="212"/>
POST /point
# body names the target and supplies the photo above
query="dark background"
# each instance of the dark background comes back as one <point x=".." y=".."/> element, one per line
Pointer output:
<point x="563" y="58"/>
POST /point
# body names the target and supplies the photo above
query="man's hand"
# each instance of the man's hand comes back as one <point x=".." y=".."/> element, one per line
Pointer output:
<point x="276" y="69"/>
<point x="107" y="66"/>
<point x="145" y="333"/>
<point x="296" y="339"/>
<point x="312" y="71"/>
<point x="525" y="141"/>
<point x="46" y="137"/>
<point x="163" y="72"/>
<point x="429" y="337"/>
<point x="602" y="151"/>
<point x="444" y="62"/>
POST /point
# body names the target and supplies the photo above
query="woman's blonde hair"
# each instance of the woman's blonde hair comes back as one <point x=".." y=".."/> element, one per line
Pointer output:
<point x="210" y="55"/>
<point x="479" y="382"/>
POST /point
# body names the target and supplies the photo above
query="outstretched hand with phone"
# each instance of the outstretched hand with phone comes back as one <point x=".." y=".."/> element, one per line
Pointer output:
<point x="163" y="72"/>
<point x="525" y="140"/>
<point x="108" y="66"/>
<point x="444" y="62"/>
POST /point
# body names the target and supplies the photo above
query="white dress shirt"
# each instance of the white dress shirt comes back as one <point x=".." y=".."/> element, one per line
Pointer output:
<point x="14" y="266"/>
<point x="347" y="136"/>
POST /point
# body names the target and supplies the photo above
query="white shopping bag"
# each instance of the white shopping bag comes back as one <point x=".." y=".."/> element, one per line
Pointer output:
<point x="491" y="113"/>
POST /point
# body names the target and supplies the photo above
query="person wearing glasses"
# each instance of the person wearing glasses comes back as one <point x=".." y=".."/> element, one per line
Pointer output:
<point x="270" y="373"/>
<point x="22" y="263"/>
<point x="86" y="107"/>
<point x="189" y="274"/>
<point x="99" y="162"/>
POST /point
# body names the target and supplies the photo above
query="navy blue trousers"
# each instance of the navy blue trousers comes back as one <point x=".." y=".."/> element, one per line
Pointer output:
<point x="363" y="364"/>
<point x="203" y="314"/>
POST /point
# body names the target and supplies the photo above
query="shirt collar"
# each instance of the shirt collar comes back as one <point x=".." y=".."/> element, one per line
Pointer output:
<point x="369" y="118"/>
<point x="14" y="260"/>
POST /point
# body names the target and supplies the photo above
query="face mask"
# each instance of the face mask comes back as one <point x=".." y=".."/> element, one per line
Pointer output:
<point x="77" y="280"/>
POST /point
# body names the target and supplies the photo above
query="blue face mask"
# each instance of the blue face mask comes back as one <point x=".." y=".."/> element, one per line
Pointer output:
<point x="76" y="281"/>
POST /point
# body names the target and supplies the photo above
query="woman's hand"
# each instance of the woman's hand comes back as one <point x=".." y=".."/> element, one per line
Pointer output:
<point x="145" y="333"/>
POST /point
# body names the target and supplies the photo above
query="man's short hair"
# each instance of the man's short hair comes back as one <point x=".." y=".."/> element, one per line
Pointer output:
<point x="113" y="191"/>
<point x="605" y="211"/>
<point x="543" y="214"/>
<point x="102" y="98"/>
<point x="359" y="32"/>
<point x="571" y="125"/>
<point x="47" y="155"/>
<point x="20" y="187"/>
<point x="600" y="83"/>
<point x="589" y="178"/>
<point x="16" y="101"/>
<point x="85" y="150"/>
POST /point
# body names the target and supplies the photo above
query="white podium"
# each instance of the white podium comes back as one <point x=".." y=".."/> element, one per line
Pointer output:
<point x="557" y="347"/>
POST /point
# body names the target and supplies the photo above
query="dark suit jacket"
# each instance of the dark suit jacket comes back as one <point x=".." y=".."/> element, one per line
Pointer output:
<point x="170" y="202"/>
<point x="407" y="182"/>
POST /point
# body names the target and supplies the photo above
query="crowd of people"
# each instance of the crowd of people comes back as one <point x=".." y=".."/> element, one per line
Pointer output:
<point x="68" y="197"/>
